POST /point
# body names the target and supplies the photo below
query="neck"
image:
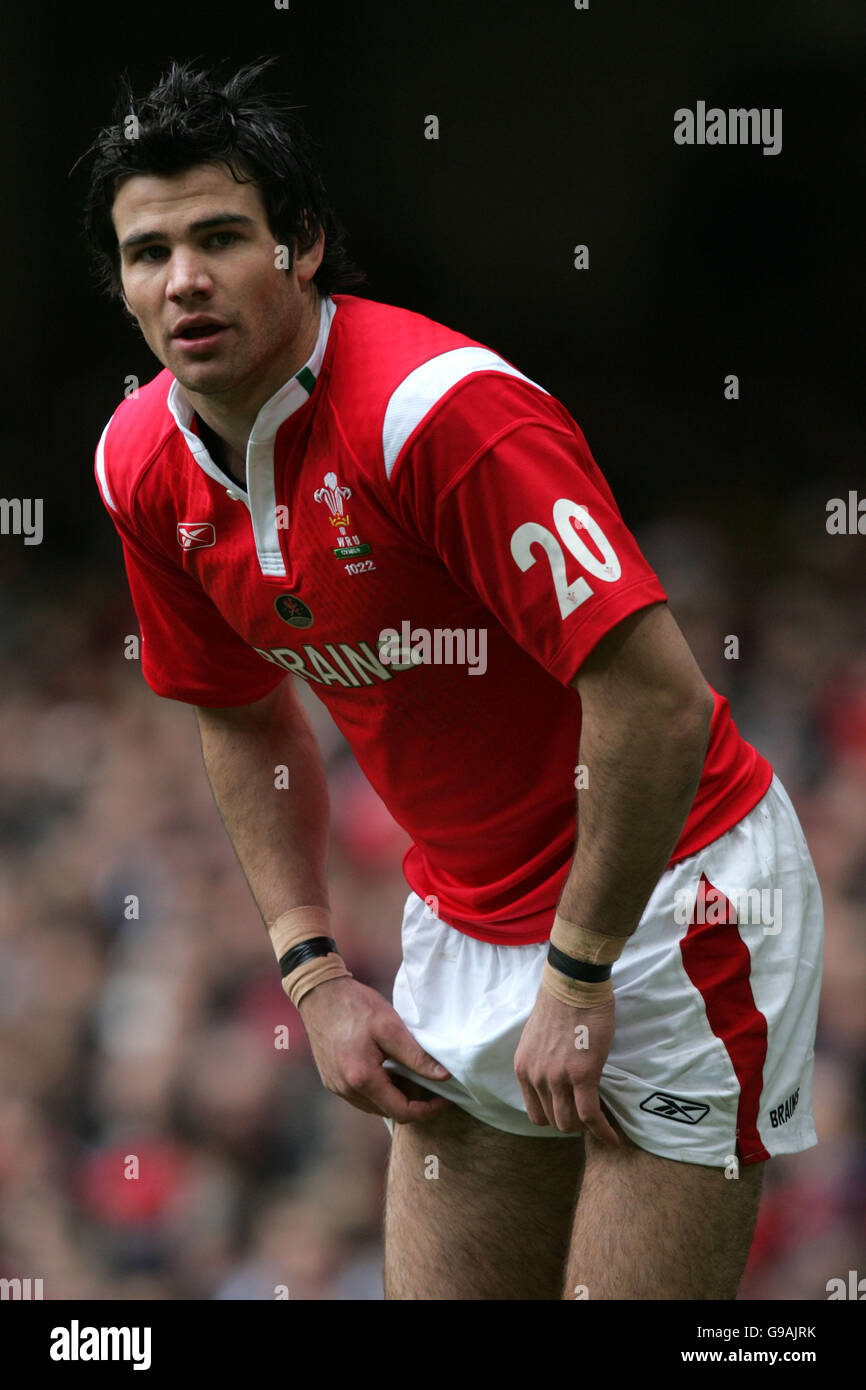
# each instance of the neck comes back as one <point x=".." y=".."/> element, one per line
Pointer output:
<point x="232" y="414"/>
<point x="224" y="457"/>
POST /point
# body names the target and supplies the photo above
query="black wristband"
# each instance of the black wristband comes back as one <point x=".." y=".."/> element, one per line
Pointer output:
<point x="306" y="950"/>
<point x="577" y="969"/>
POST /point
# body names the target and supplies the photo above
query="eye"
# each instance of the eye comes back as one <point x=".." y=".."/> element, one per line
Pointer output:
<point x="144" y="254"/>
<point x="232" y="236"/>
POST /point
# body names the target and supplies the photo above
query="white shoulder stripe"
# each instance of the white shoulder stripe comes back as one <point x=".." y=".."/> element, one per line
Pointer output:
<point x="427" y="384"/>
<point x="100" y="467"/>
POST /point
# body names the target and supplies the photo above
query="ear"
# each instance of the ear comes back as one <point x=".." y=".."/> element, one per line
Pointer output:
<point x="127" y="308"/>
<point x="307" y="262"/>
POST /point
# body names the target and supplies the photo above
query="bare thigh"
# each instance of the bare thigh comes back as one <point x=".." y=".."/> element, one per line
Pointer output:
<point x="474" y="1213"/>
<point x="654" y="1228"/>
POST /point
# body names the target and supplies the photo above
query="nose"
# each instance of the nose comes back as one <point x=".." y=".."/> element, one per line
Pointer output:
<point x="187" y="275"/>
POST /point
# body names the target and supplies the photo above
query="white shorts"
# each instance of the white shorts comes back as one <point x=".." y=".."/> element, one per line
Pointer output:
<point x="715" y="1019"/>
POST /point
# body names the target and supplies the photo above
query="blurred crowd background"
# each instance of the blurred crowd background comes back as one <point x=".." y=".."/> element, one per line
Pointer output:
<point x="153" y="1035"/>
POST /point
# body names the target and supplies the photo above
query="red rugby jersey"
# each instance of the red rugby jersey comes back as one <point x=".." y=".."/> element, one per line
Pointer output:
<point x="426" y="539"/>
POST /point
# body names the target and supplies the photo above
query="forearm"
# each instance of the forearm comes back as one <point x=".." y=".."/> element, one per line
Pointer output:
<point x="643" y="771"/>
<point x="279" y="833"/>
<point x="280" y="836"/>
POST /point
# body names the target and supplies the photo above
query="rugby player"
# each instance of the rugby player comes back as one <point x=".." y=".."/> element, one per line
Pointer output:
<point x="592" y="1034"/>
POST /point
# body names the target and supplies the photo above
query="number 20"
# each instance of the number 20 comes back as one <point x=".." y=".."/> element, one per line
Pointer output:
<point x="570" y="596"/>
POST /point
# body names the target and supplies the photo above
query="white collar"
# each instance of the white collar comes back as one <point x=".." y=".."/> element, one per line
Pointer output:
<point x="260" y="493"/>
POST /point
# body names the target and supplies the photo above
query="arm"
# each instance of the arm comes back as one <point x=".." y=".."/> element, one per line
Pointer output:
<point x="645" y="727"/>
<point x="280" y="837"/>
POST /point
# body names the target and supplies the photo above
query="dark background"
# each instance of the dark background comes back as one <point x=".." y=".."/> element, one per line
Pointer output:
<point x="556" y="127"/>
<point x="155" y="1036"/>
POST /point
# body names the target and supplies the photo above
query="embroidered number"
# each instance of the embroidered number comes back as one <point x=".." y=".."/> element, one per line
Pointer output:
<point x="608" y="568"/>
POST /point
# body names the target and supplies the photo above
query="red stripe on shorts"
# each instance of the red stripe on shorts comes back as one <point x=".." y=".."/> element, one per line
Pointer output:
<point x="717" y="961"/>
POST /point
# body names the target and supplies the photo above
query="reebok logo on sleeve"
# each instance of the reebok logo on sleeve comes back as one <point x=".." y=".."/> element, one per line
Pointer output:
<point x="194" y="535"/>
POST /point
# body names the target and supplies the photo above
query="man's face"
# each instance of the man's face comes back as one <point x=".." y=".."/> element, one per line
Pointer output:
<point x="197" y="246"/>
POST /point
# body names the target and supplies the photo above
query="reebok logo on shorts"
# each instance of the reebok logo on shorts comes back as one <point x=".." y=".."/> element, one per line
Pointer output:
<point x="782" y="1113"/>
<point x="687" y="1112"/>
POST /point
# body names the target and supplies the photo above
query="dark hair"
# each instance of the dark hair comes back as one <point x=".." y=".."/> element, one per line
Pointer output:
<point x="190" y="117"/>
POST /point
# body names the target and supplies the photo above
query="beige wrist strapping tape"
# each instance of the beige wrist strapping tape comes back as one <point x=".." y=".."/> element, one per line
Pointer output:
<point x="594" y="948"/>
<point x="591" y="946"/>
<point x="303" y="924"/>
<point x="580" y="994"/>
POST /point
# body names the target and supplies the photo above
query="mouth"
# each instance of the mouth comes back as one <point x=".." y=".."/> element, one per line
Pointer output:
<point x="198" y="337"/>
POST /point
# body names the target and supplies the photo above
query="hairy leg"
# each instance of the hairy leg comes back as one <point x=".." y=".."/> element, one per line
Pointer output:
<point x="474" y="1213"/>
<point x="654" y="1228"/>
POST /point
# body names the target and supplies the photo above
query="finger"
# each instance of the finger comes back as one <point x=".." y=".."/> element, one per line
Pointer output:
<point x="592" y="1117"/>
<point x="529" y="1098"/>
<point x="392" y="1102"/>
<point x="534" y="1103"/>
<point x="564" y="1109"/>
<point x="423" y="1110"/>
<point x="413" y="1091"/>
<point x="397" y="1042"/>
<point x="360" y="1102"/>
